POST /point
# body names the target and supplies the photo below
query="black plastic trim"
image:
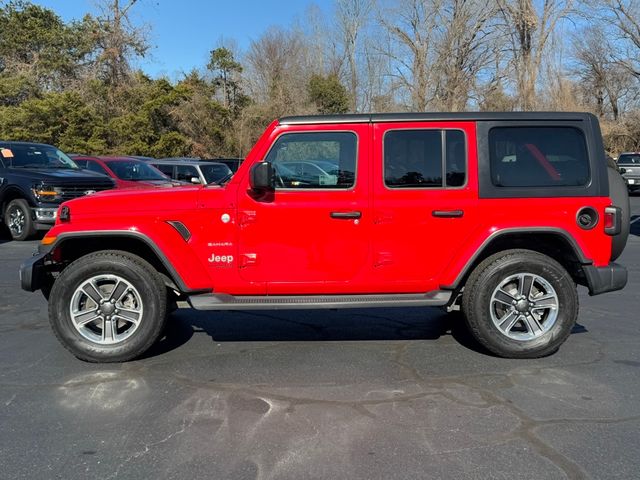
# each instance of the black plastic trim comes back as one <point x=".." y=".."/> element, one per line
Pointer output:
<point x="221" y="301"/>
<point x="181" y="229"/>
<point x="31" y="272"/>
<point x="122" y="233"/>
<point x="434" y="116"/>
<point x="529" y="230"/>
<point x="616" y="228"/>
<point x="605" y="279"/>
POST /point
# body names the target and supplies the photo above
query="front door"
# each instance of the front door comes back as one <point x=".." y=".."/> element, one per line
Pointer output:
<point x="311" y="235"/>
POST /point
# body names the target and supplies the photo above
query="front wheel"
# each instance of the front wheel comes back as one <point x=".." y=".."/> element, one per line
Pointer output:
<point x="520" y="304"/>
<point x="17" y="217"/>
<point x="108" y="306"/>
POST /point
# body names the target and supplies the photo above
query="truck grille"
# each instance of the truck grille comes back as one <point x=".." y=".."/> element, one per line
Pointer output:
<point x="69" y="192"/>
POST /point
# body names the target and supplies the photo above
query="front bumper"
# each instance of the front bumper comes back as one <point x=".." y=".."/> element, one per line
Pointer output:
<point x="33" y="273"/>
<point x="605" y="279"/>
<point x="632" y="182"/>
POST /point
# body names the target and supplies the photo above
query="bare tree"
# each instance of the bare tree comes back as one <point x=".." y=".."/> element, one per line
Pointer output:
<point x="351" y="17"/>
<point x="530" y="28"/>
<point x="623" y="18"/>
<point x="465" y="48"/>
<point x="118" y="40"/>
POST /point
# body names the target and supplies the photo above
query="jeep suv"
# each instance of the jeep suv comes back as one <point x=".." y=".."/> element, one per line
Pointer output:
<point x="499" y="214"/>
<point x="34" y="180"/>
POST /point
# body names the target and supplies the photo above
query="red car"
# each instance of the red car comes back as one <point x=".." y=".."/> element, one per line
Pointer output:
<point x="501" y="215"/>
<point x="126" y="171"/>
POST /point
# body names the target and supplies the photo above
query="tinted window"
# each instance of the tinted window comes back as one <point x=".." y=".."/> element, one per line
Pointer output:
<point x="215" y="173"/>
<point x="166" y="169"/>
<point x="456" y="158"/>
<point x="630" y="159"/>
<point x="413" y="158"/>
<point x="314" y="160"/>
<point x="134" y="170"/>
<point x="538" y="157"/>
<point x="186" y="172"/>
<point x="80" y="163"/>
<point x="95" y="167"/>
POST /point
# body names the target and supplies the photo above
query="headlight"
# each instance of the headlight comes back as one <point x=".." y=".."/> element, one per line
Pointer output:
<point x="44" y="193"/>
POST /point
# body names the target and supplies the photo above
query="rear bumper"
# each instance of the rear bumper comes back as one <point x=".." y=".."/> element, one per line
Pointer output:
<point x="32" y="273"/>
<point x="605" y="279"/>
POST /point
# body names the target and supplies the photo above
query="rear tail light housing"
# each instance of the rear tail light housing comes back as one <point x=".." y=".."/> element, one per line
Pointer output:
<point x="612" y="220"/>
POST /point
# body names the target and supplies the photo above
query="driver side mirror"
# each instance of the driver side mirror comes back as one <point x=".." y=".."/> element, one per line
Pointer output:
<point x="262" y="177"/>
<point x="622" y="170"/>
<point x="195" y="180"/>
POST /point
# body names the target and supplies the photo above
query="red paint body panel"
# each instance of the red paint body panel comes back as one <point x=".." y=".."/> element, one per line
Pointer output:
<point x="287" y="242"/>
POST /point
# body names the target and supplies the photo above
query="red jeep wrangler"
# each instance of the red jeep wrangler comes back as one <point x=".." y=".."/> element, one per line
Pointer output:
<point x="500" y="214"/>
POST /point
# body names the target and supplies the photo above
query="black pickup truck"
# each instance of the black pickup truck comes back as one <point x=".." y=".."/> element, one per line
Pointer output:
<point x="34" y="180"/>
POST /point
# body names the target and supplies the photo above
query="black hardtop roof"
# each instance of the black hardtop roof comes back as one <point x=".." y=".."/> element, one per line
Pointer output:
<point x="435" y="116"/>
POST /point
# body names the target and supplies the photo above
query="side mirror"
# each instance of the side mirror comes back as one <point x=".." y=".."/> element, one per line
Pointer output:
<point x="262" y="177"/>
<point x="622" y="170"/>
<point x="195" y="180"/>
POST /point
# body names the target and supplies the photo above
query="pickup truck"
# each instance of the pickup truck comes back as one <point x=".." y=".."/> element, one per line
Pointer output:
<point x="501" y="215"/>
<point x="34" y="180"/>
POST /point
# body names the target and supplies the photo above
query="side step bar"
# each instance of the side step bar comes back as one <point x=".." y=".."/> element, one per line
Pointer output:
<point x="222" y="301"/>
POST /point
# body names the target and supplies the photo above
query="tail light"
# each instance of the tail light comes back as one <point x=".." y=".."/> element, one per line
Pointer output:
<point x="612" y="220"/>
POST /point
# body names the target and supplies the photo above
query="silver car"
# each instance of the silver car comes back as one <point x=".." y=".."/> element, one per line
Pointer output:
<point x="629" y="166"/>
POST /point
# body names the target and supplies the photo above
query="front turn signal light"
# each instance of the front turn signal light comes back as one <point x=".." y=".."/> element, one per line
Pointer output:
<point x="48" y="240"/>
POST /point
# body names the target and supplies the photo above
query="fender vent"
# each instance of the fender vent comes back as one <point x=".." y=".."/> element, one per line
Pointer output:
<point x="181" y="229"/>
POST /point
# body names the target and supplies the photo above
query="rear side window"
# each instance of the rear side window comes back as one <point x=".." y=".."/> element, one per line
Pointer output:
<point x="538" y="157"/>
<point x="418" y="158"/>
<point x="166" y="169"/>
<point x="315" y="160"/>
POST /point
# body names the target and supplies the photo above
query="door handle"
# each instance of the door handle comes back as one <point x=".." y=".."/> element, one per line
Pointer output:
<point x="346" y="215"/>
<point x="448" y="213"/>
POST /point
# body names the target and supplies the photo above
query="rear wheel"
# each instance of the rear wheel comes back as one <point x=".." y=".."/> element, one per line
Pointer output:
<point x="108" y="306"/>
<point x="18" y="219"/>
<point x="520" y="304"/>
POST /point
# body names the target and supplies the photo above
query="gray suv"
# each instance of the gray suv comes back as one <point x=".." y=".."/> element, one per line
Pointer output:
<point x="193" y="171"/>
<point x="629" y="166"/>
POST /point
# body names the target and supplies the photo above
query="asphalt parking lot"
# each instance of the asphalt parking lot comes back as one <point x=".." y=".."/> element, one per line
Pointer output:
<point x="392" y="393"/>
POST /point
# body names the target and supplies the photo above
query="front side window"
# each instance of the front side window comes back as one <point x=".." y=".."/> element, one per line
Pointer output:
<point x="185" y="173"/>
<point x="215" y="173"/>
<point x="314" y="160"/>
<point x="538" y="157"/>
<point x="134" y="170"/>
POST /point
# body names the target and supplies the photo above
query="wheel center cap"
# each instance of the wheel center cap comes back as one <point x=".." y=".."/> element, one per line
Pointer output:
<point x="522" y="305"/>
<point x="107" y="308"/>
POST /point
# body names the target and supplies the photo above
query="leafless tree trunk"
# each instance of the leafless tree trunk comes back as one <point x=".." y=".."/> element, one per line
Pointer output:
<point x="530" y="29"/>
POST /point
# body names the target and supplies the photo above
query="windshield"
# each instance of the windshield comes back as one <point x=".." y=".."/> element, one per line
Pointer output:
<point x="630" y="159"/>
<point x="35" y="156"/>
<point x="134" y="170"/>
<point x="215" y="173"/>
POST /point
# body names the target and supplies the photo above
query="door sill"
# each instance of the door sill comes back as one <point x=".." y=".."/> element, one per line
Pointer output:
<point x="222" y="301"/>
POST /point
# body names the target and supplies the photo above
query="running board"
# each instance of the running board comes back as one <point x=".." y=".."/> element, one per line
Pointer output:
<point x="222" y="301"/>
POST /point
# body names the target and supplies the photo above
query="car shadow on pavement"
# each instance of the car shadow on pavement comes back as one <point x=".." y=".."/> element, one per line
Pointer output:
<point x="318" y="326"/>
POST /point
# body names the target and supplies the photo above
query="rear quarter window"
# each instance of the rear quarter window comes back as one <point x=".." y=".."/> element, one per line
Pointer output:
<point x="538" y="157"/>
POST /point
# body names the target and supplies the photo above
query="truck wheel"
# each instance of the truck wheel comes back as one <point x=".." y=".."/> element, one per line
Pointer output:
<point x="520" y="304"/>
<point x="17" y="217"/>
<point x="108" y="306"/>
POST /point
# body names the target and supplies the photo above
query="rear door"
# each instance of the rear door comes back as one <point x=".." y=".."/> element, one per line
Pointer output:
<point x="424" y="201"/>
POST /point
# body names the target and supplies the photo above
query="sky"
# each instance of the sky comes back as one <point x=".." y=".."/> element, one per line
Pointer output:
<point x="183" y="32"/>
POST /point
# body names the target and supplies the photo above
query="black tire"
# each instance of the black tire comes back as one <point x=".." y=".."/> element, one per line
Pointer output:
<point x="27" y="228"/>
<point x="477" y="303"/>
<point x="134" y="270"/>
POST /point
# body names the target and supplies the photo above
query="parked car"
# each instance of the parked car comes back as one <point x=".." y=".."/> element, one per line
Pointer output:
<point x="501" y="215"/>
<point x="126" y="172"/>
<point x="193" y="171"/>
<point x="232" y="163"/>
<point x="34" y="180"/>
<point x="629" y="165"/>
